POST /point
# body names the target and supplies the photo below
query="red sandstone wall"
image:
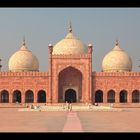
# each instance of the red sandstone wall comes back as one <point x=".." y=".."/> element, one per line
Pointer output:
<point x="24" y="81"/>
<point x="117" y="81"/>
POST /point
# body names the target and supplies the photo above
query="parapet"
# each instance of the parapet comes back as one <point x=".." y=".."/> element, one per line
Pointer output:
<point x="24" y="74"/>
<point x="116" y="73"/>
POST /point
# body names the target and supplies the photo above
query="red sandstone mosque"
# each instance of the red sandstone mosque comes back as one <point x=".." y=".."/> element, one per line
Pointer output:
<point x="70" y="76"/>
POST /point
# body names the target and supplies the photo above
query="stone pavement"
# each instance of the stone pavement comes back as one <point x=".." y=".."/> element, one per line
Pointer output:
<point x="12" y="120"/>
<point x="73" y="123"/>
<point x="125" y="121"/>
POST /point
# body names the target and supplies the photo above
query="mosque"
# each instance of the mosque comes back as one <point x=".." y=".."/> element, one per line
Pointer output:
<point x="70" y="76"/>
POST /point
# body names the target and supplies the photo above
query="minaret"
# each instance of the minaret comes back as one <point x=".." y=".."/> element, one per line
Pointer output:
<point x="50" y="46"/>
<point x="90" y="47"/>
<point x="0" y="64"/>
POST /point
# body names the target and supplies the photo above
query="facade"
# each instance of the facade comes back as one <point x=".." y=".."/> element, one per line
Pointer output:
<point x="70" y="77"/>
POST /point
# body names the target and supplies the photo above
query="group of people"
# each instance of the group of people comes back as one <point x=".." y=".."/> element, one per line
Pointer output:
<point x="32" y="106"/>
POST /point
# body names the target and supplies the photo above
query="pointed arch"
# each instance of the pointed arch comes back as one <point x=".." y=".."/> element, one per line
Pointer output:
<point x="4" y="96"/>
<point x="123" y="96"/>
<point x="135" y="96"/>
<point x="29" y="96"/>
<point x="65" y="68"/>
<point x="41" y="96"/>
<point x="70" y="96"/>
<point x="17" y="96"/>
<point x="111" y="96"/>
<point x="99" y="96"/>
<point x="69" y="77"/>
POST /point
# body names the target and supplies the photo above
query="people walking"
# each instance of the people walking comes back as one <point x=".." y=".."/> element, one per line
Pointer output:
<point x="70" y="106"/>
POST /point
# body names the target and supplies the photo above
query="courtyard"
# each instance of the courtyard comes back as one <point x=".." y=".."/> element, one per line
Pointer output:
<point x="12" y="120"/>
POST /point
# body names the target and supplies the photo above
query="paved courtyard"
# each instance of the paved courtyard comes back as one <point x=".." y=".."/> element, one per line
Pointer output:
<point x="12" y="120"/>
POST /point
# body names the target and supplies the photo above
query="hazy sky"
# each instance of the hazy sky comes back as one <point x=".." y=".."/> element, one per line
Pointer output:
<point x="42" y="26"/>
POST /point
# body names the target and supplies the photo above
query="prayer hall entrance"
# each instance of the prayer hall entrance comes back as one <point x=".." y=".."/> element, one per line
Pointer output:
<point x="70" y="96"/>
<point x="70" y="85"/>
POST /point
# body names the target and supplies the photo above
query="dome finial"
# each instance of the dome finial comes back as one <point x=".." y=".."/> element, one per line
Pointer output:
<point x="24" y="43"/>
<point x="24" y="47"/>
<point x="70" y="27"/>
<point x="117" y="42"/>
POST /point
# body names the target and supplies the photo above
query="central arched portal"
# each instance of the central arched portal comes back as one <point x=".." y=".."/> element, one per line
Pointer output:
<point x="70" y="85"/>
<point x="70" y="96"/>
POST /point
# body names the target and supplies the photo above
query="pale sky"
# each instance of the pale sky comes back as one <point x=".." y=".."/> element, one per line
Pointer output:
<point x="42" y="26"/>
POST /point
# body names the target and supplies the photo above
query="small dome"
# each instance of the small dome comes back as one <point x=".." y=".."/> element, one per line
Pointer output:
<point x="69" y="45"/>
<point x="117" y="60"/>
<point x="23" y="60"/>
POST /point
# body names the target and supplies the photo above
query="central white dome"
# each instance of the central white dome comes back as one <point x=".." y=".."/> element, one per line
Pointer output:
<point x="23" y="60"/>
<point x="69" y="45"/>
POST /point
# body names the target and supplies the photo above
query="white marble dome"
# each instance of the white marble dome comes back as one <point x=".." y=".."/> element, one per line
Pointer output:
<point x="117" y="60"/>
<point x="69" y="45"/>
<point x="23" y="60"/>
